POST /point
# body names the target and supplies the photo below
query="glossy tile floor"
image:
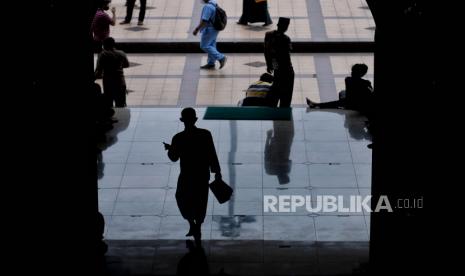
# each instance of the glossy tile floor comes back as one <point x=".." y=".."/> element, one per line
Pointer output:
<point x="312" y="20"/>
<point x="321" y="152"/>
<point x="175" y="80"/>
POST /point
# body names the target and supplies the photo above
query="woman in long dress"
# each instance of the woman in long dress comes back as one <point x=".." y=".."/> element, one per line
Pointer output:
<point x="255" y="11"/>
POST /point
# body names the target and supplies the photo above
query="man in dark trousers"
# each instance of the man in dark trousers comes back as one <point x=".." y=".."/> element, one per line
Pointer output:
<point x="110" y="65"/>
<point x="130" y="8"/>
<point x="195" y="147"/>
<point x="278" y="61"/>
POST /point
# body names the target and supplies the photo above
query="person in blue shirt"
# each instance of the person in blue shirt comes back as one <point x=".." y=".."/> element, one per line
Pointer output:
<point x="209" y="35"/>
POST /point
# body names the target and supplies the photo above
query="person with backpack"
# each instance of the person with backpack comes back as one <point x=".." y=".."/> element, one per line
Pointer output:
<point x="212" y="21"/>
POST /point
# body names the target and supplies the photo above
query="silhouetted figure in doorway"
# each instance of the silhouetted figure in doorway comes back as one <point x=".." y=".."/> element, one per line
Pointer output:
<point x="195" y="147"/>
<point x="255" y="11"/>
<point x="278" y="150"/>
<point x="358" y="93"/>
<point x="278" y="60"/>
<point x="110" y="65"/>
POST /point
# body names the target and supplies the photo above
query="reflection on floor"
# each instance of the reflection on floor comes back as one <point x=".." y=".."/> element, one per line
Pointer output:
<point x="318" y="153"/>
<point x="232" y="257"/>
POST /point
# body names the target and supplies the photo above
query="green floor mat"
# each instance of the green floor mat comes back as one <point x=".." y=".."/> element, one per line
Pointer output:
<point x="248" y="113"/>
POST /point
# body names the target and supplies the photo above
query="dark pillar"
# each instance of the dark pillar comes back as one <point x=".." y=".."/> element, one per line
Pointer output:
<point x="408" y="71"/>
<point x="55" y="162"/>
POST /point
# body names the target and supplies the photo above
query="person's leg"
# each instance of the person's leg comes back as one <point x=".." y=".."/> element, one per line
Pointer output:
<point x="198" y="233"/>
<point x="108" y="92"/>
<point x="120" y="98"/>
<point x="205" y="45"/>
<point x="213" y="51"/>
<point x="214" y="48"/>
<point x="287" y="88"/>
<point x="129" y="10"/>
<point x="200" y="208"/>
<point x="245" y="13"/>
<point x="326" y="105"/>
<point x="191" y="228"/>
<point x="208" y="45"/>
<point x="273" y="96"/>
<point x="268" y="17"/>
<point x="219" y="56"/>
<point x="143" y="7"/>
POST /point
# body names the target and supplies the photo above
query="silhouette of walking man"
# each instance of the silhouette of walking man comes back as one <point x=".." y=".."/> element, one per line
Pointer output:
<point x="195" y="147"/>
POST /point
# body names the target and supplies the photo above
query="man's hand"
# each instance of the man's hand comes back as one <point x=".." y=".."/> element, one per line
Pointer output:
<point x="196" y="31"/>
<point x="113" y="10"/>
<point x="218" y="176"/>
<point x="167" y="146"/>
<point x="269" y="70"/>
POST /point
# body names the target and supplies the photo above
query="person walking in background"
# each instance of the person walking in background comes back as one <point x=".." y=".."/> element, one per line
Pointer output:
<point x="278" y="61"/>
<point x="130" y="9"/>
<point x="196" y="150"/>
<point x="255" y="11"/>
<point x="101" y="23"/>
<point x="209" y="35"/>
<point x="110" y="64"/>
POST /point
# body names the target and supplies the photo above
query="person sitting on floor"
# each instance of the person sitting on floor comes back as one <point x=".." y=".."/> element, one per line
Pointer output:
<point x="258" y="92"/>
<point x="358" y="94"/>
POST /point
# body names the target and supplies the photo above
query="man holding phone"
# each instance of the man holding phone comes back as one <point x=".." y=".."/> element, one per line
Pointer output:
<point x="196" y="150"/>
